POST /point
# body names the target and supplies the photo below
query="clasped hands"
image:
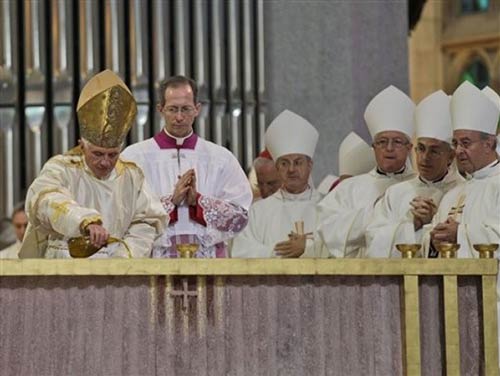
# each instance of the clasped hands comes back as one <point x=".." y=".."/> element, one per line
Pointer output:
<point x="445" y="232"/>
<point x="423" y="209"/>
<point x="185" y="189"/>
<point x="294" y="246"/>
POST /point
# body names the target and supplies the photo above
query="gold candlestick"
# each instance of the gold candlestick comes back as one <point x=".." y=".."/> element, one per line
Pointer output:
<point x="486" y="250"/>
<point x="186" y="250"/>
<point x="408" y="251"/>
<point x="447" y="250"/>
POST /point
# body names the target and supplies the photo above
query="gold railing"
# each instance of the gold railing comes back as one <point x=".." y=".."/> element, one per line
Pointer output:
<point x="410" y="270"/>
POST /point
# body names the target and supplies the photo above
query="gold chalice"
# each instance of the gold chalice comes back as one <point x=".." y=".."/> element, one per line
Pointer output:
<point x="486" y="250"/>
<point x="447" y="250"/>
<point x="186" y="250"/>
<point x="408" y="251"/>
<point x="81" y="247"/>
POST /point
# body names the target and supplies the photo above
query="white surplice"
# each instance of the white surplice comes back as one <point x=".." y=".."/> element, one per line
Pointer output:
<point x="224" y="192"/>
<point x="11" y="252"/>
<point x="346" y="211"/>
<point x="67" y="194"/>
<point x="392" y="220"/>
<point x="272" y="219"/>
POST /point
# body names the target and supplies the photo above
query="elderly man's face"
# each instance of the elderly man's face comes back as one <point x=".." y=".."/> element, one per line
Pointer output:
<point x="179" y="111"/>
<point x="268" y="179"/>
<point x="391" y="150"/>
<point x="472" y="152"/>
<point x="20" y="222"/>
<point x="294" y="170"/>
<point x="101" y="161"/>
<point x="433" y="158"/>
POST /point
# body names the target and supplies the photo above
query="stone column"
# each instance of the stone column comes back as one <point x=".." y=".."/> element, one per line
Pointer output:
<point x="326" y="59"/>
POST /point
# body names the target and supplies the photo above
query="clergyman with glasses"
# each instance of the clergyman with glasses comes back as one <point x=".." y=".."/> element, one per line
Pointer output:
<point x="202" y="185"/>
<point x="283" y="224"/>
<point x="345" y="212"/>
<point x="404" y="214"/>
<point x="469" y="214"/>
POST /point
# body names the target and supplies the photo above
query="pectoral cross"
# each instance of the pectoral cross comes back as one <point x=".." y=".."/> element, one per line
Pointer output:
<point x="456" y="210"/>
<point x="185" y="293"/>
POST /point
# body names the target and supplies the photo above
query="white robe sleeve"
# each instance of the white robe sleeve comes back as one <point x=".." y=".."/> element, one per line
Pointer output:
<point x="149" y="222"/>
<point x="248" y="244"/>
<point x="342" y="225"/>
<point x="226" y="213"/>
<point x="387" y="228"/>
<point x="51" y="208"/>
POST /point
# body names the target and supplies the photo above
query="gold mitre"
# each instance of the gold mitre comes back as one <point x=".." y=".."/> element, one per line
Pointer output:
<point x="106" y="110"/>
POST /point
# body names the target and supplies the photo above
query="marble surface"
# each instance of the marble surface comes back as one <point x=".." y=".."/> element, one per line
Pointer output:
<point x="236" y="325"/>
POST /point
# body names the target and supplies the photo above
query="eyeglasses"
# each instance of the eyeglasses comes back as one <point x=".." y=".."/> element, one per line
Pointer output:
<point x="384" y="143"/>
<point x="431" y="152"/>
<point x="184" y="110"/>
<point x="465" y="144"/>
<point x="286" y="164"/>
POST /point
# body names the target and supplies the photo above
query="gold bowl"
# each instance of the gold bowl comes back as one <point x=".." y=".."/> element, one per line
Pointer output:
<point x="186" y="250"/>
<point x="486" y="250"/>
<point x="81" y="247"/>
<point x="408" y="250"/>
<point x="447" y="250"/>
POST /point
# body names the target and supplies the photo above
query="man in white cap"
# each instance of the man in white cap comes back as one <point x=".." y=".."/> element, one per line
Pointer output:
<point x="90" y="190"/>
<point x="201" y="184"/>
<point x="490" y="93"/>
<point x="470" y="213"/>
<point x="400" y="217"/>
<point x="267" y="178"/>
<point x="355" y="158"/>
<point x="345" y="212"/>
<point x="283" y="224"/>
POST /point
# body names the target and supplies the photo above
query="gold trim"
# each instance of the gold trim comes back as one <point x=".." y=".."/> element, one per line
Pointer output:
<point x="93" y="219"/>
<point x="451" y="328"/>
<point x="153" y="301"/>
<point x="31" y="267"/>
<point x="201" y="306"/>
<point x="490" y="325"/>
<point x="411" y="333"/>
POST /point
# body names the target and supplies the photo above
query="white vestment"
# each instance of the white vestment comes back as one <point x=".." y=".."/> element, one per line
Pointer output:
<point x="475" y="204"/>
<point x="11" y="252"/>
<point x="272" y="219"/>
<point x="346" y="211"/>
<point x="67" y="194"/>
<point x="392" y="220"/>
<point x="224" y="192"/>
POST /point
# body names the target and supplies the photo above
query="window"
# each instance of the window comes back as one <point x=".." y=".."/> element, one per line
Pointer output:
<point x="472" y="6"/>
<point x="476" y="73"/>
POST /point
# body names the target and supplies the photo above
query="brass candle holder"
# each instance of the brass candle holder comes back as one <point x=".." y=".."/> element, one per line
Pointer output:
<point x="486" y="250"/>
<point x="447" y="250"/>
<point x="408" y="251"/>
<point x="186" y="250"/>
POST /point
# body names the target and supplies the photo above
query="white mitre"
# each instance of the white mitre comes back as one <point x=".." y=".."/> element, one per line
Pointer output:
<point x="290" y="133"/>
<point x="433" y="117"/>
<point x="390" y="110"/>
<point x="473" y="110"/>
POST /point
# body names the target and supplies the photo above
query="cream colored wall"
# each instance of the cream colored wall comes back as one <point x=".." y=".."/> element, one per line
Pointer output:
<point x="445" y="42"/>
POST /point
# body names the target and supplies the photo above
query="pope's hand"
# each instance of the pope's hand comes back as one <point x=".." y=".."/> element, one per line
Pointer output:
<point x="98" y="235"/>
<point x="294" y="247"/>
